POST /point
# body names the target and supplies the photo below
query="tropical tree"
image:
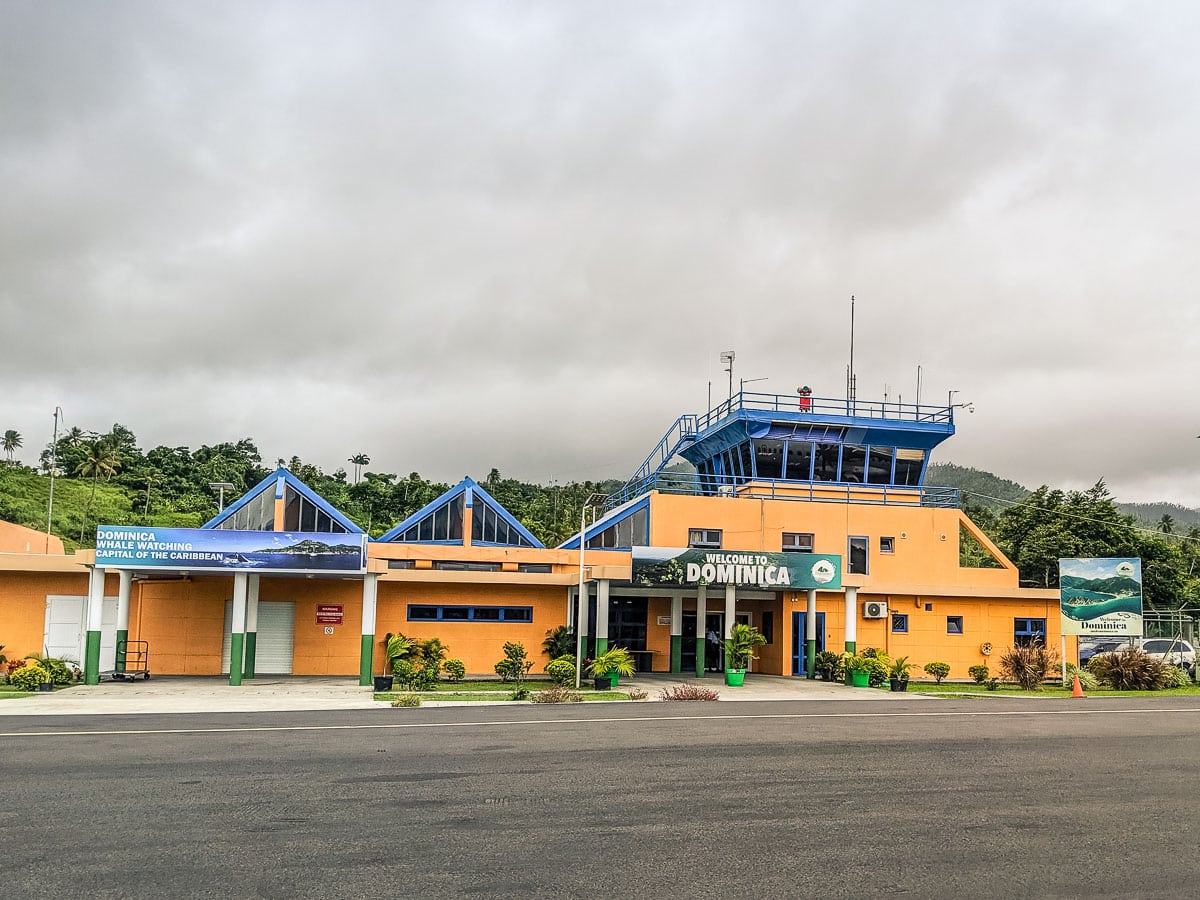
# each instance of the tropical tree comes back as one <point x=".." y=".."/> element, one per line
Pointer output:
<point x="102" y="458"/>
<point x="358" y="460"/>
<point x="12" y="442"/>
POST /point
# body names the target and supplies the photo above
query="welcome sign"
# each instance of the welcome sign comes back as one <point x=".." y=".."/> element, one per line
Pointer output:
<point x="684" y="567"/>
<point x="1099" y="597"/>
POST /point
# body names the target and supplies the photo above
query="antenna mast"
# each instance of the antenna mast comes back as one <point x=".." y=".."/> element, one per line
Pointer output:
<point x="53" y="467"/>
<point x="850" y="379"/>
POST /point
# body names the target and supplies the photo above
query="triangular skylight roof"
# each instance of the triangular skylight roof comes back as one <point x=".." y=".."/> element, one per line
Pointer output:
<point x="440" y="522"/>
<point x="255" y="509"/>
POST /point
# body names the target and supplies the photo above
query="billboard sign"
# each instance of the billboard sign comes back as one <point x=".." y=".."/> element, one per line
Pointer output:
<point x="1101" y="597"/>
<point x="680" y="566"/>
<point x="147" y="547"/>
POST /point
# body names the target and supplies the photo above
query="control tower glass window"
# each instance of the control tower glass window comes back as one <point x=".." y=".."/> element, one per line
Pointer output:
<point x="768" y="459"/>
<point x="909" y="464"/>
<point x="854" y="464"/>
<point x="825" y="462"/>
<point x="799" y="461"/>
<point x="879" y="465"/>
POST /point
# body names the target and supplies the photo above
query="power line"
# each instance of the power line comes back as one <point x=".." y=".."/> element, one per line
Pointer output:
<point x="1067" y="515"/>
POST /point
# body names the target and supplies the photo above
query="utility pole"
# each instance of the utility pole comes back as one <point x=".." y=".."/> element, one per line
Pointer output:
<point x="53" y="467"/>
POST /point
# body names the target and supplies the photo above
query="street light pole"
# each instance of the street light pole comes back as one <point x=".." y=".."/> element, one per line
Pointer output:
<point x="221" y="487"/>
<point x="53" y="466"/>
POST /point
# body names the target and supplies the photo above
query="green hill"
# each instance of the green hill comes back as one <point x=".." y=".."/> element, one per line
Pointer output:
<point x="978" y="488"/>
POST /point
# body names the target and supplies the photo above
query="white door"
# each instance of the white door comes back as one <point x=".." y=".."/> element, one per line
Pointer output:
<point x="273" y="646"/>
<point x="66" y="630"/>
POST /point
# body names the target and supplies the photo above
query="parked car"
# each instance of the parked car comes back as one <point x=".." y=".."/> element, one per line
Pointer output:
<point x="1086" y="653"/>
<point x="1173" y="650"/>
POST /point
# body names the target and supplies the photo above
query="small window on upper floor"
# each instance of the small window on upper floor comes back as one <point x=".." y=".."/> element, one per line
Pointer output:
<point x="887" y="545"/>
<point x="797" y="542"/>
<point x="954" y="625"/>
<point x="856" y="558"/>
<point x="704" y="538"/>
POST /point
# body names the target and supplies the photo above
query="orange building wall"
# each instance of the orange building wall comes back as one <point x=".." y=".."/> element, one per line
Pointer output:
<point x="480" y="645"/>
<point x="183" y="622"/>
<point x="23" y="607"/>
<point x="314" y="652"/>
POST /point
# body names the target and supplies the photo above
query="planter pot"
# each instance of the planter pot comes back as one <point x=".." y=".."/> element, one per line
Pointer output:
<point x="899" y="685"/>
<point x="735" y="677"/>
<point x="603" y="682"/>
<point x="383" y="683"/>
<point x="46" y="686"/>
<point x="860" y="678"/>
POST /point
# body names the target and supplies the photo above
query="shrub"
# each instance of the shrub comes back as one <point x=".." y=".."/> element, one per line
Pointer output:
<point x="992" y="684"/>
<point x="561" y="670"/>
<point x="455" y="670"/>
<point x="938" y="670"/>
<point x="557" y="694"/>
<point x="405" y="673"/>
<point x="559" y="642"/>
<point x="1130" y="669"/>
<point x="1087" y="680"/>
<point x="979" y="673"/>
<point x="1028" y="666"/>
<point x="1175" y="677"/>
<point x="60" y="673"/>
<point x="877" y="665"/>
<point x="407" y="700"/>
<point x="521" y="693"/>
<point x="28" y="677"/>
<point x="685" y="691"/>
<point x="515" y="665"/>
<point x="636" y="694"/>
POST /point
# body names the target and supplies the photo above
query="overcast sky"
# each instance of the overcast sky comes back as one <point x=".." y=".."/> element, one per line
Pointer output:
<point x="456" y="236"/>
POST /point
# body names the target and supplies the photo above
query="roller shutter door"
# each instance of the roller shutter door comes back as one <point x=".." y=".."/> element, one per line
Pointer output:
<point x="276" y="630"/>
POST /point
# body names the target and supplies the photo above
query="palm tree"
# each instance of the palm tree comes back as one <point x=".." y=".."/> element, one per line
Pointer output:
<point x="359" y="459"/>
<point x="12" y="441"/>
<point x="102" y="459"/>
<point x="1167" y="524"/>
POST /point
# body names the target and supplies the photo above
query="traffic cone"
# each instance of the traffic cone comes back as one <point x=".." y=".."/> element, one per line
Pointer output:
<point x="1076" y="690"/>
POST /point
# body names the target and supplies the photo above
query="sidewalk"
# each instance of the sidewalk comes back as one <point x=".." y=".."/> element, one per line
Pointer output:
<point x="193" y="694"/>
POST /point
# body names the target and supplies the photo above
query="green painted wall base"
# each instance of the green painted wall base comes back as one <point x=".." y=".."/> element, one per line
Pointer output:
<point x="91" y="659"/>
<point x="810" y="658"/>
<point x="676" y="654"/>
<point x="851" y="646"/>
<point x="236" y="658"/>
<point x="122" y="638"/>
<point x="601" y="646"/>
<point x="251" y="642"/>
<point x="366" y="660"/>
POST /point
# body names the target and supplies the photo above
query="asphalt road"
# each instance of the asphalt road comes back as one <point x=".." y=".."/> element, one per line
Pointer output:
<point x="731" y="800"/>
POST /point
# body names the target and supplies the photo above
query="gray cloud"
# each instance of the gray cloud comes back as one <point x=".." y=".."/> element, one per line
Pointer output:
<point x="458" y="236"/>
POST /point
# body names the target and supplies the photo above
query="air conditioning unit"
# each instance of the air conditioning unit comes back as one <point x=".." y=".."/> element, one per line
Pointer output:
<point x="875" y="609"/>
<point x="725" y="490"/>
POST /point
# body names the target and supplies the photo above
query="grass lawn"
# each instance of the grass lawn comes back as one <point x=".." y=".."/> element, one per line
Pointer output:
<point x="1048" y="690"/>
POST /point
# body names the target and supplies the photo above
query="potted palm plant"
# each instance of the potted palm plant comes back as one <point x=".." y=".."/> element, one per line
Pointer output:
<point x="858" y="671"/>
<point x="739" y="651"/>
<point x="396" y="646"/>
<point x="899" y="674"/>
<point x="828" y="665"/>
<point x="605" y="668"/>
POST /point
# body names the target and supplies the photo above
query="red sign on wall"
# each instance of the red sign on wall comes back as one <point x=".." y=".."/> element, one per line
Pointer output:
<point x="329" y="615"/>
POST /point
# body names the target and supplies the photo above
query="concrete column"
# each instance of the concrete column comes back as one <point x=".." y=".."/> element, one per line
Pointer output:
<point x="676" y="633"/>
<point x="581" y="616"/>
<point x="730" y="612"/>
<point x="123" y="593"/>
<point x="251" y="624"/>
<point x="810" y="636"/>
<point x="95" y="616"/>
<point x="851" y="619"/>
<point x="366" y="651"/>
<point x="601" y="616"/>
<point x="701" y="615"/>
<point x="237" y="630"/>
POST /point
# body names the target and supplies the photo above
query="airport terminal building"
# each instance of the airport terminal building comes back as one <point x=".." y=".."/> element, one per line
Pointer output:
<point x="810" y="520"/>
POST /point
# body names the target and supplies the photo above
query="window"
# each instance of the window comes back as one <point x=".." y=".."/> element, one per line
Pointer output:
<point x="799" y="461"/>
<point x="909" y="464"/>
<point x="768" y="459"/>
<point x="887" y="545"/>
<point x="900" y="623"/>
<point x="1029" y="632"/>
<point x="854" y="464"/>
<point x="825" y="462"/>
<point x="954" y="625"/>
<point x="704" y="538"/>
<point x="768" y="626"/>
<point x="400" y="564"/>
<point x="425" y="613"/>
<point x="630" y="531"/>
<point x="535" y="568"/>
<point x="879" y="465"/>
<point x="797" y="542"/>
<point x="462" y="565"/>
<point x="856" y="558"/>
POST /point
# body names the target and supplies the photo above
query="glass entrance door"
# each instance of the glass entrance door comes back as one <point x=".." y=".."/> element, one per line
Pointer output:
<point x="799" y="647"/>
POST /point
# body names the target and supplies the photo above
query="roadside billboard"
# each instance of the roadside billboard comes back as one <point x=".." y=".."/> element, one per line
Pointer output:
<point x="1101" y="597"/>
<point x="146" y="547"/>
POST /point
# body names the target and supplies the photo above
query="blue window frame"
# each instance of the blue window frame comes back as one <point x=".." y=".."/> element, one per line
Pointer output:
<point x="1028" y="632"/>
<point x="954" y="625"/>
<point x="900" y="623"/>
<point x="423" y="612"/>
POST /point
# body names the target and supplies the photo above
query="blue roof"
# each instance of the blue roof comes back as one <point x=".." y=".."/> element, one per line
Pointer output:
<point x="277" y="481"/>
<point x="472" y="491"/>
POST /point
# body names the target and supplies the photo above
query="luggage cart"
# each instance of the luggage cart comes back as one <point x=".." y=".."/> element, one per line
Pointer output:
<point x="137" y="661"/>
